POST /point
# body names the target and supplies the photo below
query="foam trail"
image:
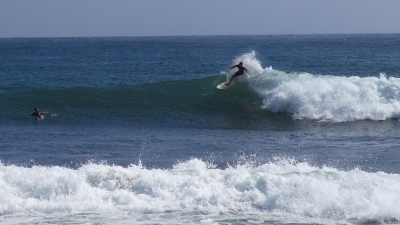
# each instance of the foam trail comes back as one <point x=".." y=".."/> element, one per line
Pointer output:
<point x="324" y="97"/>
<point x="276" y="188"/>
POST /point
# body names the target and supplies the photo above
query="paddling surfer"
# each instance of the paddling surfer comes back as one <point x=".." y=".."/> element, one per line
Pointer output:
<point x="240" y="71"/>
<point x="37" y="114"/>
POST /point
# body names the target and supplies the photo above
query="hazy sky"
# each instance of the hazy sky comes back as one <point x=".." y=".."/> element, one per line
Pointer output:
<point x="75" y="18"/>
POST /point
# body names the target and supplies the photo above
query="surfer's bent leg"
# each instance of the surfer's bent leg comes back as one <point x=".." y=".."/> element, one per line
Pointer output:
<point x="229" y="83"/>
<point x="238" y="73"/>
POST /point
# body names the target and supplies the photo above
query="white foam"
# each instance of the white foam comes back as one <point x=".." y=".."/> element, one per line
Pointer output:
<point x="275" y="188"/>
<point x="324" y="97"/>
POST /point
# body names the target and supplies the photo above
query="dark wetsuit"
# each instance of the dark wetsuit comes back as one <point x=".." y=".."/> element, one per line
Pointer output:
<point x="37" y="115"/>
<point x="240" y="70"/>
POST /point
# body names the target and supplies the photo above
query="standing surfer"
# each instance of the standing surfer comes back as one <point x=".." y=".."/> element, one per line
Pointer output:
<point x="240" y="71"/>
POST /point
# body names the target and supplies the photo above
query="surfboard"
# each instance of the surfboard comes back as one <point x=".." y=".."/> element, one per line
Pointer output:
<point x="39" y="118"/>
<point x="224" y="86"/>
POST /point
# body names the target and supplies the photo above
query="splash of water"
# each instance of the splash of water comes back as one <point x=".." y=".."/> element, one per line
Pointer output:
<point x="323" y="97"/>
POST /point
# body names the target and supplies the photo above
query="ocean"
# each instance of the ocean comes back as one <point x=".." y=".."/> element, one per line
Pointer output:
<point x="136" y="131"/>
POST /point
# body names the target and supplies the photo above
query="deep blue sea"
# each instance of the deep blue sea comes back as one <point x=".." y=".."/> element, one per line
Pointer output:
<point x="136" y="131"/>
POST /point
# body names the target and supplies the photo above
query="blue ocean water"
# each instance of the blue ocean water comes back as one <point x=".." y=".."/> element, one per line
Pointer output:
<point x="137" y="132"/>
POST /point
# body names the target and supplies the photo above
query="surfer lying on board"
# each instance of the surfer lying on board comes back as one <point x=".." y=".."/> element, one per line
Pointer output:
<point x="37" y="114"/>
<point x="240" y="71"/>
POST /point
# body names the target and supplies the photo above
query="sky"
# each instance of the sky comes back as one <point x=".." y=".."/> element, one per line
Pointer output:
<point x="88" y="18"/>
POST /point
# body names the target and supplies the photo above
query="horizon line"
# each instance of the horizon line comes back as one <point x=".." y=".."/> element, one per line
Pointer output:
<point x="200" y="35"/>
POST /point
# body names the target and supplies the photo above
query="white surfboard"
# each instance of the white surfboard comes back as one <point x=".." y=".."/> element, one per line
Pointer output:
<point x="41" y="118"/>
<point x="224" y="86"/>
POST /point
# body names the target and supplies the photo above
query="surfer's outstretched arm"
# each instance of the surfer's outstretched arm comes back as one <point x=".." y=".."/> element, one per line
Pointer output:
<point x="232" y="68"/>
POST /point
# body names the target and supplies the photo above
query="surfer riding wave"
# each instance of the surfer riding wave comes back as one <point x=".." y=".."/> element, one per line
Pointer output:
<point x="240" y="71"/>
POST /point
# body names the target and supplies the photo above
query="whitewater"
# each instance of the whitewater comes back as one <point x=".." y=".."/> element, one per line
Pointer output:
<point x="276" y="191"/>
<point x="323" y="97"/>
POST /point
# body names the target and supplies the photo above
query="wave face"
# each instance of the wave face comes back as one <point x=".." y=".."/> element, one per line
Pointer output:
<point x="170" y="101"/>
<point x="275" y="190"/>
